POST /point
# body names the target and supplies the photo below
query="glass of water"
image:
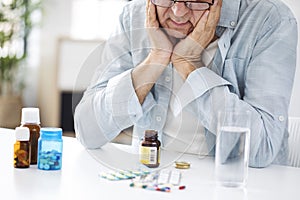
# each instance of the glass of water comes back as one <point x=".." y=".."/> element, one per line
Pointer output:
<point x="232" y="148"/>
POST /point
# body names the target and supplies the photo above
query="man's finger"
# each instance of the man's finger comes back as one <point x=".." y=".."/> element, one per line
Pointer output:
<point x="214" y="14"/>
<point x="200" y="26"/>
<point x="151" y="15"/>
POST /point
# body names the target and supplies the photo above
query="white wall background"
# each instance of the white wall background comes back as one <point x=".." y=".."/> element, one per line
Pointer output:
<point x="59" y="22"/>
<point x="42" y="91"/>
<point x="56" y="23"/>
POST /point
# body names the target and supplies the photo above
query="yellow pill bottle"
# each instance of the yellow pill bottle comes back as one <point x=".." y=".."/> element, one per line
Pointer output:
<point x="22" y="148"/>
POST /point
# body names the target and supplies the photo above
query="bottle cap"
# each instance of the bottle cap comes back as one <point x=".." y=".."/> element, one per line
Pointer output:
<point x="150" y="133"/>
<point x="30" y="115"/>
<point x="22" y="133"/>
<point x="182" y="165"/>
<point x="51" y="133"/>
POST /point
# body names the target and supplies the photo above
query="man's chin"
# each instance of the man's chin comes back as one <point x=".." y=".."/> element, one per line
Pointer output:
<point x="176" y="34"/>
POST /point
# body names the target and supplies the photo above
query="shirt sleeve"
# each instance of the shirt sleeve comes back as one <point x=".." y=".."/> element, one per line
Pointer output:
<point x="110" y="105"/>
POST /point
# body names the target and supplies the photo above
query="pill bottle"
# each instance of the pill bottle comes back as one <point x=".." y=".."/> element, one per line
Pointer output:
<point x="149" y="150"/>
<point x="22" y="148"/>
<point x="31" y="119"/>
<point x="50" y="146"/>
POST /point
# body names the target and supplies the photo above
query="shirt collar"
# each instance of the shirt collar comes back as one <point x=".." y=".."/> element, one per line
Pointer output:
<point x="229" y="13"/>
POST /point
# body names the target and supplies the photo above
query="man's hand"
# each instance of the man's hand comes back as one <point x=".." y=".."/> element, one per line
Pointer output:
<point x="186" y="55"/>
<point x="161" y="46"/>
<point x="145" y="75"/>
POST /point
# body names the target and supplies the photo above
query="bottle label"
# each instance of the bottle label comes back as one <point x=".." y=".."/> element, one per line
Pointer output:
<point x="22" y="155"/>
<point x="148" y="155"/>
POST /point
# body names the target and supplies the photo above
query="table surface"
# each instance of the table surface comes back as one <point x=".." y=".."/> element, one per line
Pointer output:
<point x="79" y="177"/>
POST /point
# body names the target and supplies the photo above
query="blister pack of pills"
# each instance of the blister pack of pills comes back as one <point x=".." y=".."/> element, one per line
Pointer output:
<point x="122" y="174"/>
<point x="169" y="177"/>
<point x="163" y="180"/>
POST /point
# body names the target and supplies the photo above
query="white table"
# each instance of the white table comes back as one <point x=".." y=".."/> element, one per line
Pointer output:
<point x="79" y="177"/>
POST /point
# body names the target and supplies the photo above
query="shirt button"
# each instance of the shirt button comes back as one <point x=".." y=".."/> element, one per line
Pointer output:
<point x="158" y="118"/>
<point x="232" y="23"/>
<point x="281" y="118"/>
<point x="167" y="79"/>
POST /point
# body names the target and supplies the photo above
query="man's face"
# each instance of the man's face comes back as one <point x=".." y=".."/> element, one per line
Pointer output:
<point x="179" y="18"/>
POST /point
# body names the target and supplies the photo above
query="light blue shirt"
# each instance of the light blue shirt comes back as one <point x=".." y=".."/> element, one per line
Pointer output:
<point x="253" y="69"/>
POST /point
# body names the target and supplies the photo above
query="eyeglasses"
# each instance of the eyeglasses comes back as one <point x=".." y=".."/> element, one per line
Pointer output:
<point x="193" y="5"/>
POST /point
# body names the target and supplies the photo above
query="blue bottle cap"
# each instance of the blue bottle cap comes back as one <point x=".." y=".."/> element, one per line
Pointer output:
<point x="51" y="133"/>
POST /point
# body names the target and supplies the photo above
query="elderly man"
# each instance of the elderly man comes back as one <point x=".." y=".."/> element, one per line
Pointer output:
<point x="172" y="65"/>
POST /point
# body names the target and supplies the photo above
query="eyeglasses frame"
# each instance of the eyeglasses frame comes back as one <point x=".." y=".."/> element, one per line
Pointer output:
<point x="180" y="1"/>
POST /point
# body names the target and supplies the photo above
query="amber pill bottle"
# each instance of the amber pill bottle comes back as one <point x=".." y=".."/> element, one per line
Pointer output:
<point x="31" y="120"/>
<point x="150" y="149"/>
<point x="22" y="148"/>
